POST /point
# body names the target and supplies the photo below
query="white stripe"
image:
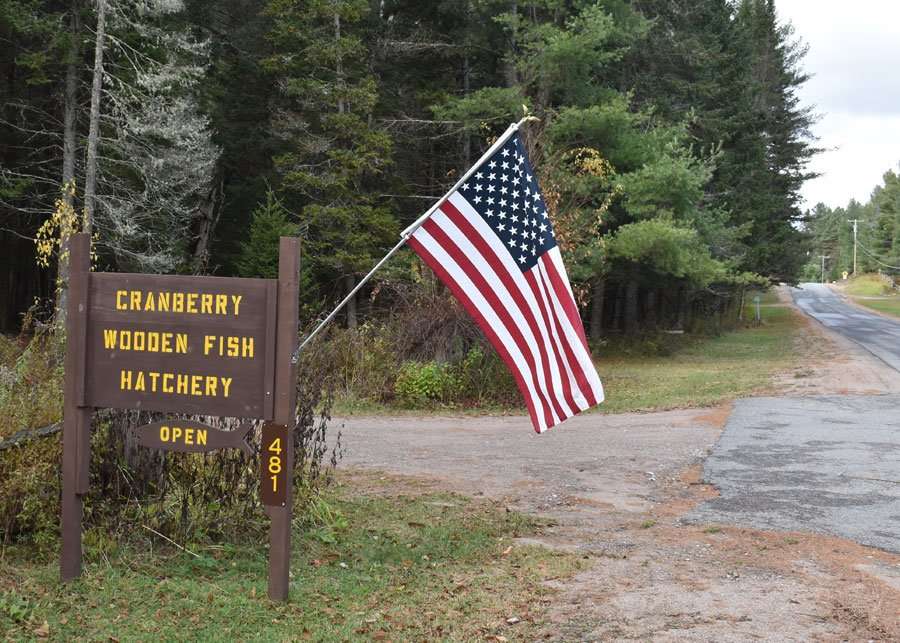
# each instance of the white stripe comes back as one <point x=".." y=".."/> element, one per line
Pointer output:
<point x="555" y="256"/>
<point x="585" y="362"/>
<point x="500" y="250"/>
<point x="580" y="400"/>
<point x="459" y="276"/>
<point x="502" y="294"/>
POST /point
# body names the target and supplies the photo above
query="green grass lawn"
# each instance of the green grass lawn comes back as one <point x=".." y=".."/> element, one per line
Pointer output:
<point x="866" y="286"/>
<point x="705" y="371"/>
<point x="888" y="305"/>
<point x="403" y="568"/>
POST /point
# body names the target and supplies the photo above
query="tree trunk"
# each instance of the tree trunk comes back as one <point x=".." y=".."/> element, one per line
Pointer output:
<point x="512" y="75"/>
<point x="90" y="172"/>
<point x="631" y="307"/>
<point x="206" y="218"/>
<point x="650" y="311"/>
<point x="349" y="285"/>
<point x="617" y="310"/>
<point x="70" y="113"/>
<point x="598" y="296"/>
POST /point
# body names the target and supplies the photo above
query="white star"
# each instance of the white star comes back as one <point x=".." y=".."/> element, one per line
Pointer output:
<point x="503" y="189"/>
<point x="502" y="214"/>
<point x="533" y="250"/>
<point x="515" y="180"/>
<point x="528" y="178"/>
<point x="489" y="214"/>
<point x="505" y="165"/>
<point x="543" y="228"/>
<point x="492" y="177"/>
<point x="541" y="241"/>
<point x="505" y="152"/>
<point x="527" y="190"/>
<point x="536" y="196"/>
<point x="478" y="187"/>
<point x="533" y="235"/>
<point x="513" y="232"/>
<point x="504" y="178"/>
<point x="523" y="245"/>
<point x="479" y="176"/>
<point x="465" y="186"/>
<point x="515" y="219"/>
<point x="491" y="187"/>
<point x="544" y="214"/>
<point x="490" y="200"/>
<point x="515" y="194"/>
<point x="522" y="259"/>
<point x="493" y="164"/>
<point x="533" y="222"/>
<point x="501" y="227"/>
<point x="502" y="203"/>
<point x="515" y="206"/>
<point x="477" y="199"/>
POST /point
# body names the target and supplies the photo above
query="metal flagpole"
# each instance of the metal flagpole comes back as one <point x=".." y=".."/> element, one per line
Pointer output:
<point x="408" y="232"/>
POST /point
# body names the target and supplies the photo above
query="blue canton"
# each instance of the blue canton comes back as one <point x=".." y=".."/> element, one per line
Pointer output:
<point x="505" y="192"/>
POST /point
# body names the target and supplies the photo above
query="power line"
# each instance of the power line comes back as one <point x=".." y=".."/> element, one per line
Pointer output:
<point x="876" y="259"/>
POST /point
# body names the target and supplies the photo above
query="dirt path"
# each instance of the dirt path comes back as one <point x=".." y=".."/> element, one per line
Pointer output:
<point x="617" y="489"/>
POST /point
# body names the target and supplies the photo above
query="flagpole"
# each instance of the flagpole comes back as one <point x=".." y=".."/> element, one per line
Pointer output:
<point x="408" y="232"/>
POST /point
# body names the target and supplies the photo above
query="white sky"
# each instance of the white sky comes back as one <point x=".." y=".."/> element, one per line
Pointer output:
<point x="854" y="53"/>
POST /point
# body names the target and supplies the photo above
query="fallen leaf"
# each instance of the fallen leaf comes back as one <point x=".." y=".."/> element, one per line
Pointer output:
<point x="43" y="631"/>
<point x="507" y="550"/>
<point x="512" y="620"/>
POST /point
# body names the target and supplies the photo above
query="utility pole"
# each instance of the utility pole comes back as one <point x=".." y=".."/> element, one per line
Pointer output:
<point x="824" y="257"/>
<point x="855" y="223"/>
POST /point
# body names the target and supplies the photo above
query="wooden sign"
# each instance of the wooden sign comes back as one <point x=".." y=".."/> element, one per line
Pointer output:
<point x="189" y="345"/>
<point x="272" y="464"/>
<point x="201" y="345"/>
<point x="192" y="437"/>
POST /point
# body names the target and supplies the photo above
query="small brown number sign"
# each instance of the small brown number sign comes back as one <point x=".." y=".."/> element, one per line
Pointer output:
<point x="273" y="476"/>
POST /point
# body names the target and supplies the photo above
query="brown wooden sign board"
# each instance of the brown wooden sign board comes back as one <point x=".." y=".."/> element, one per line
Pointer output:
<point x="186" y="436"/>
<point x="190" y="345"/>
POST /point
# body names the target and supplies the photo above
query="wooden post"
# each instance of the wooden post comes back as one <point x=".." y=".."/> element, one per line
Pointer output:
<point x="76" y="437"/>
<point x="285" y="411"/>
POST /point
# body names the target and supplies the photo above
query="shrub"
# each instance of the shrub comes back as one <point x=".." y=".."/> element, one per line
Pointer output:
<point x="419" y="384"/>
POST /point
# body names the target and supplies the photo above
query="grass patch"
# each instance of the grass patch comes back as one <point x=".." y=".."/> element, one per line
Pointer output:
<point x="705" y="371"/>
<point x="888" y="305"/>
<point x="402" y="568"/>
<point x="867" y="286"/>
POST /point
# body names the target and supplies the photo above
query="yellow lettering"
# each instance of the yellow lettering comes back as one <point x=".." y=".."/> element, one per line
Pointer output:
<point x="226" y="386"/>
<point x="201" y="436"/>
<point x="221" y="304"/>
<point x="125" y="340"/>
<point x="164" y="434"/>
<point x="153" y="378"/>
<point x="109" y="337"/>
<point x="125" y="380"/>
<point x="196" y="381"/>
<point x="139" y="340"/>
<point x="189" y="436"/>
<point x="206" y="304"/>
<point x="167" y="343"/>
<point x="176" y="433"/>
<point x="181" y="345"/>
<point x="162" y="303"/>
<point x="167" y="383"/>
<point x="208" y="341"/>
<point x="192" y="303"/>
<point x="149" y="304"/>
<point x="135" y="300"/>
<point x="247" y="347"/>
<point x="153" y="342"/>
<point x="177" y="302"/>
<point x="121" y="297"/>
<point x="232" y="347"/>
<point x="181" y="383"/>
<point x="139" y="384"/>
<point x="211" y="385"/>
<point x="236" y="300"/>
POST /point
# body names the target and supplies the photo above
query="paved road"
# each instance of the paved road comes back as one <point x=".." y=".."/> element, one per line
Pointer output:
<point x="827" y="464"/>
<point x="880" y="335"/>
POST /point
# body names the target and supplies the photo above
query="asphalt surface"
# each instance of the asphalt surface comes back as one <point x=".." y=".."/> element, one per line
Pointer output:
<point x="879" y="335"/>
<point x="827" y="465"/>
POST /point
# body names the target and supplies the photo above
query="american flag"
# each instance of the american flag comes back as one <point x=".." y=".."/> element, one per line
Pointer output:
<point x="491" y="242"/>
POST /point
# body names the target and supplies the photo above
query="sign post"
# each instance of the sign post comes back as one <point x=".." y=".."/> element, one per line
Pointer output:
<point x="188" y="345"/>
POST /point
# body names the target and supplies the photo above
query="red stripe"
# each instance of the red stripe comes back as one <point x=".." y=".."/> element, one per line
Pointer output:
<point x="577" y="369"/>
<point x="559" y="339"/>
<point x="444" y="240"/>
<point x="483" y="247"/>
<point x="565" y="298"/>
<point x="460" y="294"/>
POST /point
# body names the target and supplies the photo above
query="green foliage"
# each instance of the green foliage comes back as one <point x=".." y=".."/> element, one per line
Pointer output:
<point x="419" y="384"/>
<point x="259" y="253"/>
